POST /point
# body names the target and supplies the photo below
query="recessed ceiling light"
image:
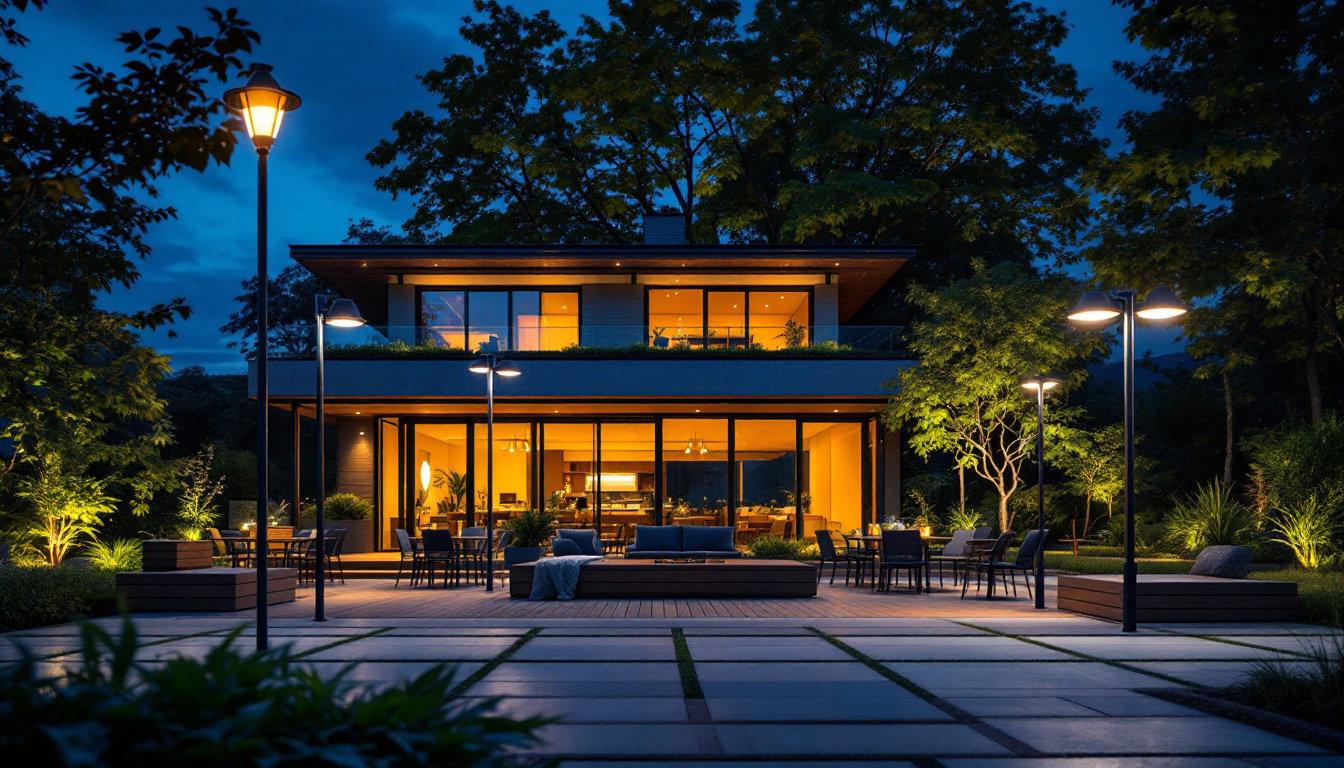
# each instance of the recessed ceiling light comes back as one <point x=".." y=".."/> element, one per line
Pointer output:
<point x="557" y="411"/>
<point x="618" y="263"/>
<point x="697" y="410"/>
<point x="837" y="263"/>
<point x="837" y="410"/>
<point x="356" y="413"/>
<point x="361" y="433"/>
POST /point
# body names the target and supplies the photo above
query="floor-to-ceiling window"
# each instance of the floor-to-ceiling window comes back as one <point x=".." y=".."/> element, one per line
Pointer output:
<point x="833" y="492"/>
<point x="440" y="475"/>
<point x="389" y="487"/>
<point x="695" y="469"/>
<point x="512" y="464"/>
<point x="626" y="480"/>
<point x="568" y="477"/>
<point x="780" y="319"/>
<point x="676" y="317"/>
<point x="765" y="453"/>
<point x="725" y="317"/>
<point x="500" y="320"/>
<point x="443" y="318"/>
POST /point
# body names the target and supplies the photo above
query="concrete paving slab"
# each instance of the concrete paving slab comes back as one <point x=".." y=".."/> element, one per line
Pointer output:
<point x="416" y="649"/>
<point x="1315" y="761"/>
<point x="1231" y="628"/>
<point x="1157" y="648"/>
<point x="894" y="740"/>
<point x="1100" y="762"/>
<point x="982" y="648"/>
<point x="815" y="710"/>
<point x="1019" y="706"/>
<point x="565" y="689"/>
<point x="453" y="632"/>
<point x="1214" y="674"/>
<point x="738" y="764"/>
<point x="1307" y="643"/>
<point x="511" y="671"/>
<point x="777" y="649"/>
<point x="672" y="740"/>
<point x="756" y="671"/>
<point x="1134" y="706"/>
<point x="590" y="710"/>
<point x="948" y="630"/>
<point x="1152" y="735"/>
<point x="1057" y="626"/>
<point x="593" y="648"/>
<point x="946" y="678"/>
<point x="388" y="671"/>
<point x="606" y="632"/>
<point x="748" y="631"/>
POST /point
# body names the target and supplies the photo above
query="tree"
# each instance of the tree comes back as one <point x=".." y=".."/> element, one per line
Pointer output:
<point x="69" y="504"/>
<point x="980" y="336"/>
<point x="949" y="124"/>
<point x="290" y="312"/>
<point x="196" y="510"/>
<point x="1094" y="463"/>
<point x="1232" y="187"/>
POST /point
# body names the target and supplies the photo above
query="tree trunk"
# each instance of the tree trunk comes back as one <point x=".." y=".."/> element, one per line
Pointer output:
<point x="961" y="480"/>
<point x="1227" y="404"/>
<point x="1004" y="522"/>
<point x="1313" y="376"/>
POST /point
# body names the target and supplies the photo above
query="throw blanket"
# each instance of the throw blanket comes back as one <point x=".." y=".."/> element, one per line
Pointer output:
<point x="557" y="577"/>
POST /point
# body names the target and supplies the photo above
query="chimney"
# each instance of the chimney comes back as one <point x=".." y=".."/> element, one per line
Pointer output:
<point x="665" y="229"/>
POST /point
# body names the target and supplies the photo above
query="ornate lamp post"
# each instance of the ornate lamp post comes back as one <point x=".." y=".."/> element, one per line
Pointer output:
<point x="1099" y="308"/>
<point x="338" y="313"/>
<point x="1040" y="385"/>
<point x="488" y="365"/>
<point x="263" y="104"/>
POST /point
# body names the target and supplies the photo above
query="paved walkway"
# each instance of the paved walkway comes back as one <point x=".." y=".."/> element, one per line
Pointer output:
<point x="1047" y="689"/>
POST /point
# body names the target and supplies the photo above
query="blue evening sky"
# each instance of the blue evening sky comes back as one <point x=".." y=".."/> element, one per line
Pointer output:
<point x="354" y="63"/>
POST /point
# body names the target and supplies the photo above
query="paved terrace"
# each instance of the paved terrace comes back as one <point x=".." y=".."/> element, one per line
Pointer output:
<point x="1007" y="687"/>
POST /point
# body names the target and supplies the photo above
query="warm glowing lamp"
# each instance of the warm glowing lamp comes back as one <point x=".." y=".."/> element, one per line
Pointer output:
<point x="263" y="104"/>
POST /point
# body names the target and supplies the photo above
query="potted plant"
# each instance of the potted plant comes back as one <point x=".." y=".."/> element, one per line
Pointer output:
<point x="531" y="528"/>
<point x="659" y="341"/>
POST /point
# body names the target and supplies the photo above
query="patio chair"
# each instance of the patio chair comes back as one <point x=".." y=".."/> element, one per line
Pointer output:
<point x="831" y="554"/>
<point x="981" y="559"/>
<point x="306" y="558"/>
<point x="408" y="551"/>
<point x="954" y="553"/>
<point x="505" y="539"/>
<point x="437" y="548"/>
<point x="1024" y="563"/>
<point x="901" y="551"/>
<point x="983" y="532"/>
<point x="471" y="555"/>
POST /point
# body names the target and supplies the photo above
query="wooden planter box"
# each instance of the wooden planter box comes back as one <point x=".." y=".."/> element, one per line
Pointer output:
<point x="177" y="555"/>
<point x="647" y="579"/>
<point x="1182" y="598"/>
<point x="208" y="589"/>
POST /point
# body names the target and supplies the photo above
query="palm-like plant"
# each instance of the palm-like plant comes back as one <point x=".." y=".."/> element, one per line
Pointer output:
<point x="1310" y="529"/>
<point x="1209" y="517"/>
<point x="118" y="555"/>
<point x="963" y="519"/>
<point x="456" y="484"/>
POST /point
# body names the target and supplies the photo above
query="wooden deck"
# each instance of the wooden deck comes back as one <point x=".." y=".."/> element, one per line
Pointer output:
<point x="372" y="599"/>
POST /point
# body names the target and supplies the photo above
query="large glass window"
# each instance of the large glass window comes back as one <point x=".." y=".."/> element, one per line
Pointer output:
<point x="779" y="319"/>
<point x="488" y="313"/>
<point x="512" y="471"/>
<point x="727" y="319"/>
<point x="625" y="476"/>
<point x="389" y="468"/>
<point x="765" y="455"/>
<point x="695" y="468"/>
<point x="444" y="317"/>
<point x="568" y="476"/>
<point x="832" y="477"/>
<point x="676" y="317"/>
<point x="440" y="476"/>
<point x="559" y="325"/>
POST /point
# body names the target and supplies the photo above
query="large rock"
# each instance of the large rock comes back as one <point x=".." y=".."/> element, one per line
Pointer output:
<point x="1223" y="561"/>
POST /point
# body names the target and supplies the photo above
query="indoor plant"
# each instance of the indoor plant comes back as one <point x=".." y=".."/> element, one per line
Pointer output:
<point x="531" y="528"/>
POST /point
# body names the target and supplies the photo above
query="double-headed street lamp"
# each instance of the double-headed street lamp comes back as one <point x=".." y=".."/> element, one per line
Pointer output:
<point x="1099" y="308"/>
<point x="491" y="367"/>
<point x="338" y="313"/>
<point x="1040" y="385"/>
<point x="263" y="104"/>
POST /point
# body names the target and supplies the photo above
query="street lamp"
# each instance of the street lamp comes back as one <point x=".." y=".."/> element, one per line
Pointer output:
<point x="1040" y="385"/>
<point x="491" y="367"/>
<point x="1098" y="308"/>
<point x="338" y="313"/>
<point x="263" y="104"/>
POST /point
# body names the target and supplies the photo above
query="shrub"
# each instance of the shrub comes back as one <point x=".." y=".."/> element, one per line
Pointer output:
<point x="196" y="508"/>
<point x="119" y="555"/>
<point x="780" y="548"/>
<point x="1315" y="693"/>
<point x="235" y="709"/>
<point x="36" y="597"/>
<point x="1310" y="529"/>
<point x="1061" y="561"/>
<point x="1209" y="517"/>
<point x="1300" y="460"/>
<point x="531" y="527"/>
<point x="347" y="506"/>
<point x="961" y="520"/>
<point x="1320" y="594"/>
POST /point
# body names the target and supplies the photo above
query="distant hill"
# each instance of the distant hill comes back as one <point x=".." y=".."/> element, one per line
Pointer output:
<point x="1143" y="377"/>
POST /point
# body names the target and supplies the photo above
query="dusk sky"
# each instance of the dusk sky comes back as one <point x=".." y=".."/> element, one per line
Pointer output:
<point x="354" y="64"/>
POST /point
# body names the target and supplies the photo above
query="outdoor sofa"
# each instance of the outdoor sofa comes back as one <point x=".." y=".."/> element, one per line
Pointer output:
<point x="678" y="541"/>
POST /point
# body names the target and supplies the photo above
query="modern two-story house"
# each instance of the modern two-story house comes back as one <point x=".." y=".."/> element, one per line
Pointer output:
<point x="662" y="383"/>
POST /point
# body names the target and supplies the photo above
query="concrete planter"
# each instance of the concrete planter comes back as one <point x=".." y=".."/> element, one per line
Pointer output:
<point x="358" y="534"/>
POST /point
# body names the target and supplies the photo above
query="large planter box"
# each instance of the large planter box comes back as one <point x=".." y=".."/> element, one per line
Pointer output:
<point x="647" y="579"/>
<point x="1181" y="598"/>
<point x="209" y="589"/>
<point x="176" y="555"/>
<point x="358" y="533"/>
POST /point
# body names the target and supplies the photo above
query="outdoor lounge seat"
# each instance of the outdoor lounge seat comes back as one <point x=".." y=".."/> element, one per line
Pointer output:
<point x="678" y="541"/>
<point x="586" y="539"/>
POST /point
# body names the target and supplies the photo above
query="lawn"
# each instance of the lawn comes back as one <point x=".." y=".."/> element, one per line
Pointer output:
<point x="1320" y="594"/>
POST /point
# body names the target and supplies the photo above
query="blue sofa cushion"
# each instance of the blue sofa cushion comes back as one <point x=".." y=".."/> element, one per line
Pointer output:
<point x="707" y="539"/>
<point x="564" y="547"/>
<point x="586" y="538"/>
<point x="662" y="538"/>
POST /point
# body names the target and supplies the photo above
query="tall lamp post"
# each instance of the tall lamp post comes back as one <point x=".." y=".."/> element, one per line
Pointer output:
<point x="263" y="104"/>
<point x="338" y="313"/>
<point x="491" y="367"/>
<point x="1040" y="385"/>
<point x="1100" y="308"/>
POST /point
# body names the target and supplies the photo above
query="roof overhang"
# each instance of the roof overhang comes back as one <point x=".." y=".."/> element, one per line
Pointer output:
<point x="362" y="272"/>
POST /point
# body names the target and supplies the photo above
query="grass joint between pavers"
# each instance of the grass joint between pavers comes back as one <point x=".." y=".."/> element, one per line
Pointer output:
<point x="492" y="664"/>
<point x="690" y="681"/>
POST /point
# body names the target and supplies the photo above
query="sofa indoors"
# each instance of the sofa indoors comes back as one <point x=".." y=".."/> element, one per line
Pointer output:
<point x="672" y="541"/>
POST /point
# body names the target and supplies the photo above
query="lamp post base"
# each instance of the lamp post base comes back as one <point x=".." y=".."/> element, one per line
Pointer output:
<point x="1129" y="597"/>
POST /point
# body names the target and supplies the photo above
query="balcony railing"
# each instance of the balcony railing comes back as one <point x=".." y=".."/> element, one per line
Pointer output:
<point x="614" y="340"/>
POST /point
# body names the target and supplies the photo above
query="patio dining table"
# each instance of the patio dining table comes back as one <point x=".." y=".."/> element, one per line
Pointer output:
<point x="417" y="542"/>
<point x="290" y="545"/>
<point x="872" y="544"/>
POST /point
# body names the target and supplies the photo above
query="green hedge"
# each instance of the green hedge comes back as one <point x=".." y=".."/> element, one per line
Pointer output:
<point x="36" y="597"/>
<point x="1320" y="594"/>
<point x="1067" y="563"/>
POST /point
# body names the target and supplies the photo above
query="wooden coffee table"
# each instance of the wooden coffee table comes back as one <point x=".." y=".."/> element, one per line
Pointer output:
<point x="647" y="579"/>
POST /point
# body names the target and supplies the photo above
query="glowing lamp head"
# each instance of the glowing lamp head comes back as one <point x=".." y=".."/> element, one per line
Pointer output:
<point x="1094" y="307"/>
<point x="481" y="365"/>
<point x="343" y="314"/>
<point x="1040" y="383"/>
<point x="1161" y="304"/>
<point x="425" y="473"/>
<point x="263" y="104"/>
<point x="507" y="369"/>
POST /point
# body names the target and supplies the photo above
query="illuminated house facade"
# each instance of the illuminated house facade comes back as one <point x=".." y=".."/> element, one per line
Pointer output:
<point x="662" y="383"/>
